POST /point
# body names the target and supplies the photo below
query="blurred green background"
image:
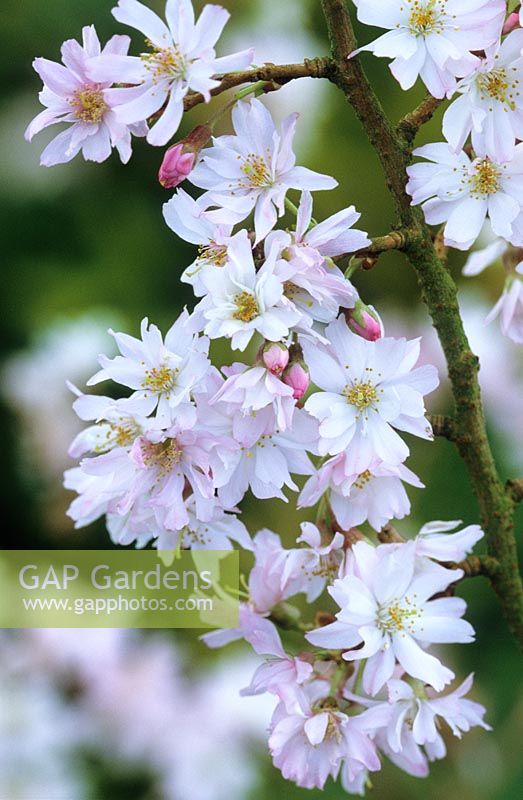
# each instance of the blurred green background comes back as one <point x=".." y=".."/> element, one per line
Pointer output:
<point x="84" y="239"/>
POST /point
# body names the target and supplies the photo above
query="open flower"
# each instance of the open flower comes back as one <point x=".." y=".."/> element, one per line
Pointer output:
<point x="376" y="495"/>
<point x="165" y="373"/>
<point x="490" y="105"/>
<point x="254" y="169"/>
<point x="369" y="388"/>
<point x="181" y="57"/>
<point x="187" y="218"/>
<point x="462" y="192"/>
<point x="386" y="607"/>
<point x="241" y="301"/>
<point x="433" y="39"/>
<point x="72" y="96"/>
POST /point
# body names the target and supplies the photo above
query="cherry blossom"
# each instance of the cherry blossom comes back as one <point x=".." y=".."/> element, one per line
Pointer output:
<point x="387" y="607"/>
<point x="72" y="96"/>
<point x="254" y="169"/>
<point x="462" y="192"/>
<point x="369" y="388"/>
<point x="241" y="300"/>
<point x="182" y="57"/>
<point x="490" y="106"/>
<point x="376" y="495"/>
<point x="162" y="372"/>
<point x="187" y="218"/>
<point x="433" y="39"/>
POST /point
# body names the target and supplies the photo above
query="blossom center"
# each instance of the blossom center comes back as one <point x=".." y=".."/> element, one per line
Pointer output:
<point x="256" y="171"/>
<point x="398" y="617"/>
<point x="89" y="104"/>
<point x="362" y="480"/>
<point x="167" y="63"/>
<point x="212" y="254"/>
<point x="361" y="395"/>
<point x="123" y="434"/>
<point x="496" y="85"/>
<point x="163" y="456"/>
<point x="485" y="180"/>
<point x="246" y="307"/>
<point x="160" y="379"/>
<point x="426" y="17"/>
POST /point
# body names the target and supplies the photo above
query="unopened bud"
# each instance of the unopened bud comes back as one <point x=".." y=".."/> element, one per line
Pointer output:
<point x="275" y="357"/>
<point x="511" y="23"/>
<point x="297" y="377"/>
<point x="364" y="321"/>
<point x="179" y="159"/>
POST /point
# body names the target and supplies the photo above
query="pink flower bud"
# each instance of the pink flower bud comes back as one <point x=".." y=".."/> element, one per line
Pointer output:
<point x="179" y="159"/>
<point x="176" y="165"/>
<point x="275" y="357"/>
<point x="364" y="321"/>
<point x="512" y="22"/>
<point x="297" y="376"/>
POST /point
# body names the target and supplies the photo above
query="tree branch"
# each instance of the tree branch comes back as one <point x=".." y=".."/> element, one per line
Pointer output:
<point x="440" y="294"/>
<point x="411" y="123"/>
<point x="278" y="74"/>
<point x="443" y="426"/>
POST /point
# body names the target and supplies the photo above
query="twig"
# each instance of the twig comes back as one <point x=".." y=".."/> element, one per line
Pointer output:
<point x="272" y="73"/>
<point x="443" y="426"/>
<point x="411" y="123"/>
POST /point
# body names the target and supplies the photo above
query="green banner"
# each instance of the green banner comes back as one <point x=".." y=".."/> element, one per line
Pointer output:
<point x="119" y="589"/>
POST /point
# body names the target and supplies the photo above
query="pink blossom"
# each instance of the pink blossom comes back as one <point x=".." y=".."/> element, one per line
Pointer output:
<point x="386" y="606"/>
<point x="71" y="96"/>
<point x="256" y="388"/>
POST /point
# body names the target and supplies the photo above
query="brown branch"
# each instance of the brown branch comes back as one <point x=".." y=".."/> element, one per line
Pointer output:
<point x="443" y="426"/>
<point x="475" y="566"/>
<point x="278" y="74"/>
<point x="439" y="291"/>
<point x="411" y="123"/>
<point x="389" y="535"/>
<point x="395" y="240"/>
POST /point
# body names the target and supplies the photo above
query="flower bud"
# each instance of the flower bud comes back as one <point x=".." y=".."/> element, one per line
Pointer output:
<point x="511" y="23"/>
<point x="364" y="321"/>
<point x="275" y="357"/>
<point x="179" y="159"/>
<point x="297" y="377"/>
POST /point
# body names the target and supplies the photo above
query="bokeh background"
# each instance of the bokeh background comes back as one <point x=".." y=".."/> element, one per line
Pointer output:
<point x="103" y="715"/>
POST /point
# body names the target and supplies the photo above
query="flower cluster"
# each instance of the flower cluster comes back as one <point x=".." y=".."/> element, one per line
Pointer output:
<point x="320" y="391"/>
<point x="472" y="55"/>
<point x="373" y="689"/>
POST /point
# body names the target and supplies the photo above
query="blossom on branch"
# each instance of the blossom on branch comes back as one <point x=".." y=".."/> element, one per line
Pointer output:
<point x="254" y="169"/>
<point x="368" y="389"/>
<point x="181" y="58"/>
<point x="463" y="192"/>
<point x="433" y="39"/>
